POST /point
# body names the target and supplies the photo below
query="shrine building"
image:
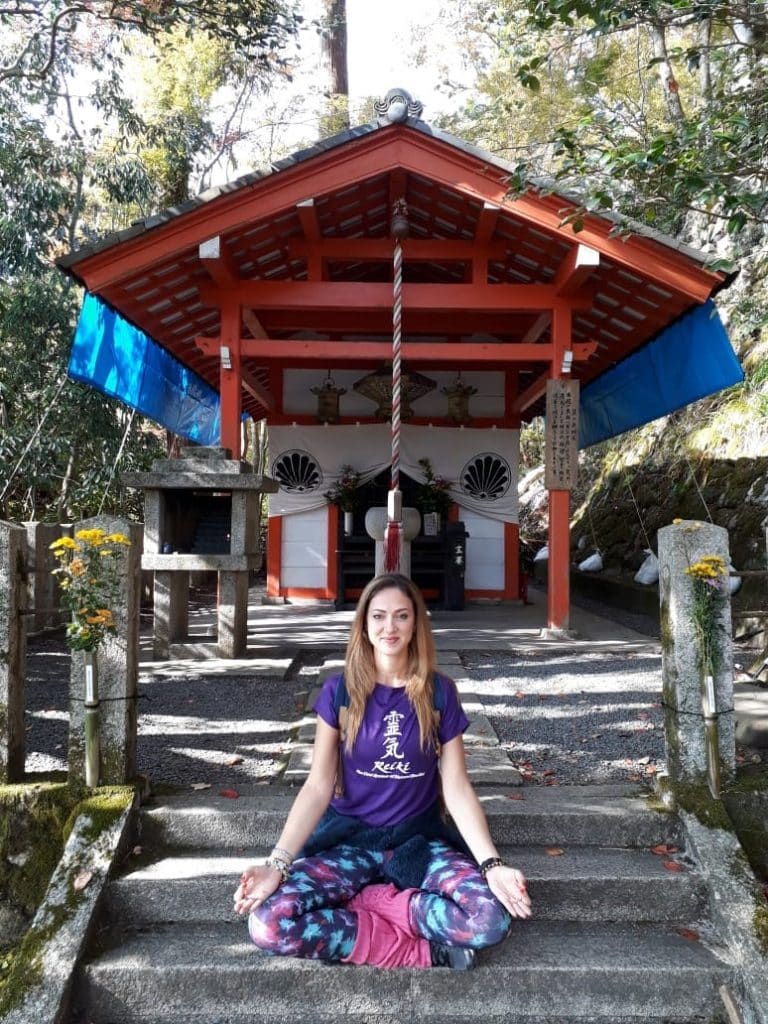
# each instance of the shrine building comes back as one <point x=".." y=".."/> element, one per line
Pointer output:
<point x="272" y="298"/>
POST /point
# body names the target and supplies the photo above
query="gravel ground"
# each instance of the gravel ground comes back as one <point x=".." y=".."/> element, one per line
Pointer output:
<point x="574" y="719"/>
<point x="561" y="719"/>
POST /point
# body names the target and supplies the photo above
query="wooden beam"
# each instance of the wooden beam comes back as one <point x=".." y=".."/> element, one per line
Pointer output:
<point x="289" y="351"/>
<point x="308" y="217"/>
<point x="362" y="296"/>
<point x="398" y="184"/>
<point x="486" y="225"/>
<point x="218" y="262"/>
<point x="257" y="390"/>
<point x="415" y="250"/>
<point x="537" y="328"/>
<point x="311" y="228"/>
<point x="578" y="265"/>
<point x="253" y="324"/>
<point x="581" y="350"/>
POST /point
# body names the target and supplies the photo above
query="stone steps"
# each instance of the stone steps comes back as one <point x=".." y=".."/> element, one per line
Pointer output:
<point x="546" y="971"/>
<point x="581" y="884"/>
<point x="607" y="816"/>
<point x="608" y="943"/>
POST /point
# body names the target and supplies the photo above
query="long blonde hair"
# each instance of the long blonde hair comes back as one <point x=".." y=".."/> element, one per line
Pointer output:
<point x="360" y="666"/>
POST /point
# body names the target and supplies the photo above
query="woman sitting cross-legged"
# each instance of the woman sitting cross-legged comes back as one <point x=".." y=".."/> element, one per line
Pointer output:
<point x="366" y="869"/>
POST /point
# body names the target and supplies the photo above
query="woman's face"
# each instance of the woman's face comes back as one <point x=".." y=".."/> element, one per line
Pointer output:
<point x="390" y="622"/>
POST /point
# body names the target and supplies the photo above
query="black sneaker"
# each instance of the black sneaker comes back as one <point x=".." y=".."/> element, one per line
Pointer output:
<point x="456" y="957"/>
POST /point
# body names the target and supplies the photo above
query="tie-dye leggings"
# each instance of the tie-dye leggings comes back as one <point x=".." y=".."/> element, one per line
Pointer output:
<point x="307" y="916"/>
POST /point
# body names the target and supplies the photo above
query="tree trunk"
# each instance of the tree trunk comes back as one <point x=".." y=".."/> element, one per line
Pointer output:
<point x="335" y="117"/>
<point x="666" y="74"/>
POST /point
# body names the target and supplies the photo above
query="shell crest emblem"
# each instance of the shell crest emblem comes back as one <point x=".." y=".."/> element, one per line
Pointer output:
<point x="297" y="471"/>
<point x="486" y="477"/>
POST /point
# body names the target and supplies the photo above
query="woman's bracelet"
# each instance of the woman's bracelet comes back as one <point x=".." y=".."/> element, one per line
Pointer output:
<point x="491" y="862"/>
<point x="279" y="865"/>
<point x="282" y="854"/>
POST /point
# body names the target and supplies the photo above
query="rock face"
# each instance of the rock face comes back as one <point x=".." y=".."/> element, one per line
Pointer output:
<point x="733" y="492"/>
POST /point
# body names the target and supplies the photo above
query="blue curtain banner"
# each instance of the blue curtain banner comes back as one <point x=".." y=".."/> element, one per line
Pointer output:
<point x="121" y="361"/>
<point x="689" y="360"/>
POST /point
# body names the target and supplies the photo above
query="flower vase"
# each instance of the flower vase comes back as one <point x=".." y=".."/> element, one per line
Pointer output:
<point x="348" y="524"/>
<point x="91" y="703"/>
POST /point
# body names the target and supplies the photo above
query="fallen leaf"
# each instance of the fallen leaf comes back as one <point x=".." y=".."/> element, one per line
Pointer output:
<point x="80" y="881"/>
<point x="663" y="850"/>
<point x="554" y="851"/>
<point x="137" y="851"/>
<point x="515" y="796"/>
<point x="651" y="769"/>
<point x="634" y="778"/>
<point x="232" y="761"/>
<point x="200" y="785"/>
<point x="644" y="760"/>
<point x="549" y="771"/>
<point x="520" y="695"/>
<point x="551" y="782"/>
<point x="672" y="865"/>
<point x="688" y="933"/>
<point x="230" y="794"/>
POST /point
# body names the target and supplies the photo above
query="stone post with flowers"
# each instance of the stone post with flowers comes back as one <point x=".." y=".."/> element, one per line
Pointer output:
<point x="99" y="572"/>
<point x="13" y="647"/>
<point x="697" y="658"/>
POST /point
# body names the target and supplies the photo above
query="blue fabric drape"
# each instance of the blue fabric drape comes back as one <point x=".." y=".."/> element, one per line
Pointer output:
<point x="687" y="361"/>
<point x="117" y="358"/>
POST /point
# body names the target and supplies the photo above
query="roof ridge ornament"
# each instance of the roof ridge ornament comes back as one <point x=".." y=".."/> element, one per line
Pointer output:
<point x="396" y="107"/>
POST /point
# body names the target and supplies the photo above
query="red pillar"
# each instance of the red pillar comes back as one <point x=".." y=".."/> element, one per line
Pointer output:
<point x="558" y="569"/>
<point x="230" y="380"/>
<point x="559" y="582"/>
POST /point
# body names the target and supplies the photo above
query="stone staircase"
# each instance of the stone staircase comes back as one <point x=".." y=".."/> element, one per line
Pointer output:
<point x="618" y="936"/>
<point x="612" y="939"/>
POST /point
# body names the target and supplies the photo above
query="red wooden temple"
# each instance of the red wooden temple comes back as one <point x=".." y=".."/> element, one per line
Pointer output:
<point x="279" y="282"/>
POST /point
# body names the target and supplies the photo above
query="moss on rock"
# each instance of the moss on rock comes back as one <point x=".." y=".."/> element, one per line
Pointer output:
<point x="35" y="823"/>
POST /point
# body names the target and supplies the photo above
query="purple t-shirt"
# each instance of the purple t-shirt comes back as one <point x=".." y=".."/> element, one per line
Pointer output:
<point x="388" y="777"/>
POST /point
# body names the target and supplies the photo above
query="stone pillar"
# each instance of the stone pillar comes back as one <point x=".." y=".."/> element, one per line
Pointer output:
<point x="376" y="525"/>
<point x="171" y="603"/>
<point x="13" y="650"/>
<point x="118" y="669"/>
<point x="233" y="614"/>
<point x="681" y="545"/>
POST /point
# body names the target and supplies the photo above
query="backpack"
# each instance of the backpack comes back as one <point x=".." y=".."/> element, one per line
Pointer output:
<point x="340" y="705"/>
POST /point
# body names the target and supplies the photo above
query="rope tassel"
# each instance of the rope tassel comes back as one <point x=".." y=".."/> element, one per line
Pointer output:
<point x="392" y="546"/>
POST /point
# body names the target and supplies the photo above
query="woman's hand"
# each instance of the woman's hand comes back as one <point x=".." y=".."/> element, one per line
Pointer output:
<point x="508" y="886"/>
<point x="257" y="884"/>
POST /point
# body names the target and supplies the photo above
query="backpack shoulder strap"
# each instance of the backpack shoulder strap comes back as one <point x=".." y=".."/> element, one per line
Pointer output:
<point x="438" y="693"/>
<point x="341" y="707"/>
<point x="340" y="694"/>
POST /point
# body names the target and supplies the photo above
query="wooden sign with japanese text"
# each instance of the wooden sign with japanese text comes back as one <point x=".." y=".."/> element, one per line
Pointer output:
<point x="561" y="440"/>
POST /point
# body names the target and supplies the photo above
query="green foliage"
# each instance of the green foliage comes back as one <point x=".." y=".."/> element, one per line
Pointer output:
<point x="80" y="156"/>
<point x="652" y="111"/>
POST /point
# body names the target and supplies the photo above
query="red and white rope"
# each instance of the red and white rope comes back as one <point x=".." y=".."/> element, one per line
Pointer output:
<point x="397" y="337"/>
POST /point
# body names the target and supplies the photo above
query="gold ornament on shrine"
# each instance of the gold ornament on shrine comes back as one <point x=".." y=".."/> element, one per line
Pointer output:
<point x="458" y="394"/>
<point x="328" y="394"/>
